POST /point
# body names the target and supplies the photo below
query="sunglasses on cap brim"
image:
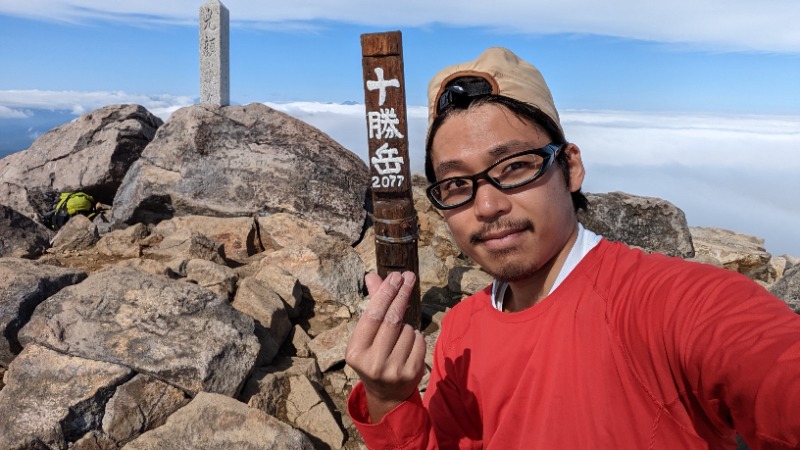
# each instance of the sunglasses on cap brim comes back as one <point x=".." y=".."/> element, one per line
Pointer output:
<point x="461" y="90"/>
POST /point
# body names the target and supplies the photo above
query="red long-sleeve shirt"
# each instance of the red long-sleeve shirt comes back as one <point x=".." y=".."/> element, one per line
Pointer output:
<point x="631" y="351"/>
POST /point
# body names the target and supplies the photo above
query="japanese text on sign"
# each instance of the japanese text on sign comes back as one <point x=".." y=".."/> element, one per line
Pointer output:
<point x="383" y="124"/>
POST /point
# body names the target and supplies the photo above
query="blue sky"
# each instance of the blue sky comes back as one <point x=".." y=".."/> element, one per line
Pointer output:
<point x="696" y="102"/>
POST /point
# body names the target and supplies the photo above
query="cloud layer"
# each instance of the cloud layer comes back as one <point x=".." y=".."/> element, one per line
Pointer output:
<point x="19" y="103"/>
<point x="769" y="25"/>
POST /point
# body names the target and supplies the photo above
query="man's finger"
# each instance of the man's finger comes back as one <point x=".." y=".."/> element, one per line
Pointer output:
<point x="382" y="294"/>
<point x="392" y="323"/>
<point x="373" y="282"/>
<point x="403" y="347"/>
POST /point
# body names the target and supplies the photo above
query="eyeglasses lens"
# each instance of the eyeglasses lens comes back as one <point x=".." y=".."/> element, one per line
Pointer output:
<point x="506" y="174"/>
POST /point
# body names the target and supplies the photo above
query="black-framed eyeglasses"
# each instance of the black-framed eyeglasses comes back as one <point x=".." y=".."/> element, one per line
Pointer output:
<point x="510" y="172"/>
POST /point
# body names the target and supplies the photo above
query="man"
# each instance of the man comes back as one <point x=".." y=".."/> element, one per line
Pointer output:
<point x="580" y="343"/>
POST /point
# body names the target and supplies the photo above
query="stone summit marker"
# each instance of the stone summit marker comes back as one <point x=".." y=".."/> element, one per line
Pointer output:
<point x="214" y="54"/>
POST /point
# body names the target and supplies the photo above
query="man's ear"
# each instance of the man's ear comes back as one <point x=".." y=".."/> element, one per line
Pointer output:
<point x="575" y="165"/>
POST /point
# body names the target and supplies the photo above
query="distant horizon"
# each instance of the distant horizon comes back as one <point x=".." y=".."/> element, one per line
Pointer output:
<point x="671" y="100"/>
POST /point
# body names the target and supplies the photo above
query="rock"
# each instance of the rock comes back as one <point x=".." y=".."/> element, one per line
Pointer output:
<point x="53" y="399"/>
<point x="148" y="266"/>
<point x="467" y="280"/>
<point x="430" y="345"/>
<point x="139" y="405"/>
<point x="20" y="236"/>
<point x="284" y="284"/>
<point x="238" y="237"/>
<point x="298" y="344"/>
<point x="212" y="276"/>
<point x="213" y="422"/>
<point x="79" y="233"/>
<point x="178" y="332"/>
<point x="102" y="219"/>
<point x="260" y="302"/>
<point x="288" y="229"/>
<point x="94" y="440"/>
<point x="90" y="154"/>
<point x="791" y="261"/>
<point x="263" y="305"/>
<point x="234" y="161"/>
<point x="268" y="387"/>
<point x="330" y="269"/>
<point x="124" y="242"/>
<point x="337" y="383"/>
<point x="706" y="259"/>
<point x="306" y="409"/>
<point x="433" y="230"/>
<point x="187" y="245"/>
<point x="25" y="284"/>
<point x="777" y="265"/>
<point x="366" y="251"/>
<point x="329" y="345"/>
<point x="738" y="252"/>
<point x="650" y="223"/>
<point x="432" y="270"/>
<point x="788" y="288"/>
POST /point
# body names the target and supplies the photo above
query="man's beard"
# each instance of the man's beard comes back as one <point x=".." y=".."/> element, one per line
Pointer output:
<point x="513" y="271"/>
<point x="508" y="271"/>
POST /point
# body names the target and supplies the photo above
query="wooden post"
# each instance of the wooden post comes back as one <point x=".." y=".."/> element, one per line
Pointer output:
<point x="394" y="216"/>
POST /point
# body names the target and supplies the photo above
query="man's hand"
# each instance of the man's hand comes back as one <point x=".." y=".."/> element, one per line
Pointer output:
<point x="387" y="354"/>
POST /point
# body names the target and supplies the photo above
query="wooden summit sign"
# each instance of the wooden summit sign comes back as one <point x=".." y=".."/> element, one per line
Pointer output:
<point x="394" y="216"/>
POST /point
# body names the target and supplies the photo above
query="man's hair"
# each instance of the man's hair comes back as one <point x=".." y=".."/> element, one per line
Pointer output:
<point x="523" y="111"/>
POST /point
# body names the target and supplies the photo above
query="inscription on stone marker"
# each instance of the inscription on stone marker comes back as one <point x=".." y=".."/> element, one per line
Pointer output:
<point x="214" y="54"/>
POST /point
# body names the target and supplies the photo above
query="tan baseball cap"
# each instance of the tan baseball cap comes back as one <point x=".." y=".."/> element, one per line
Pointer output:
<point x="506" y="73"/>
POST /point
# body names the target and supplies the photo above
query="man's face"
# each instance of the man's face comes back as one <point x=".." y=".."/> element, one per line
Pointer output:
<point x="510" y="233"/>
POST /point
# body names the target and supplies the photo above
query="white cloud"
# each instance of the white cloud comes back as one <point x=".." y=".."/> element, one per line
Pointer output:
<point x="33" y="134"/>
<point x="79" y="102"/>
<point x="9" y="113"/>
<point x="769" y="25"/>
<point x="658" y="139"/>
<point x="620" y="138"/>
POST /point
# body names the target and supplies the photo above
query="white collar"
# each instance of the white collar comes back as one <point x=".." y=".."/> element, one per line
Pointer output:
<point x="585" y="241"/>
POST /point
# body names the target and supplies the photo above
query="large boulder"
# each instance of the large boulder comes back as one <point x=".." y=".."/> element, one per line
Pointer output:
<point x="53" y="399"/>
<point x="20" y="236"/>
<point x="652" y="224"/>
<point x="234" y="161"/>
<point x="238" y="237"/>
<point x="139" y="405"/>
<point x="291" y="391"/>
<point x="330" y="269"/>
<point x="735" y="251"/>
<point x="213" y="422"/>
<point x="178" y="332"/>
<point x="90" y="154"/>
<point x="25" y="284"/>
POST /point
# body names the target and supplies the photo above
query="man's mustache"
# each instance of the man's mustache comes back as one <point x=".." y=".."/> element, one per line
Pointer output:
<point x="500" y="225"/>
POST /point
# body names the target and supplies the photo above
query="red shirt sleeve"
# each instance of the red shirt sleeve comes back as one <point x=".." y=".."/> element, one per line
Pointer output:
<point x="742" y="355"/>
<point x="405" y="427"/>
<point x="445" y="420"/>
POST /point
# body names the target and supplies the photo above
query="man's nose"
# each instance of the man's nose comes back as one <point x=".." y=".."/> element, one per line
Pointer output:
<point x="490" y="201"/>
